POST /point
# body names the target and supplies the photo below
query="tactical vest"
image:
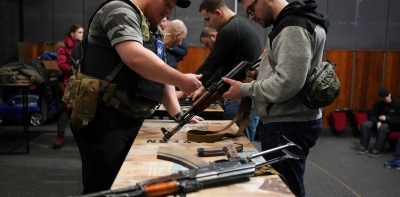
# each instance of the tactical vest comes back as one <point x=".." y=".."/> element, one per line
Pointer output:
<point x="99" y="62"/>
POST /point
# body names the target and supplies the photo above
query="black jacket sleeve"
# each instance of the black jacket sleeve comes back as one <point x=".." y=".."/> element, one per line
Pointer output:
<point x="220" y="59"/>
<point x="373" y="114"/>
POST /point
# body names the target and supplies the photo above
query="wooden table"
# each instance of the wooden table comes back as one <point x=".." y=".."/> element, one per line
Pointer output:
<point x="213" y="112"/>
<point x="142" y="164"/>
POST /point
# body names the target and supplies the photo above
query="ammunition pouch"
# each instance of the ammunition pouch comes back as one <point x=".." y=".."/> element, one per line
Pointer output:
<point x="81" y="94"/>
<point x="86" y="103"/>
<point x="84" y="92"/>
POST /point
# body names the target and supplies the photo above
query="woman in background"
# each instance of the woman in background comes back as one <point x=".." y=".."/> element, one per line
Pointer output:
<point x="73" y="37"/>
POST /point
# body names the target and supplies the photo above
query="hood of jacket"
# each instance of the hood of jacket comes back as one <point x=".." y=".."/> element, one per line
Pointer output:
<point x="306" y="9"/>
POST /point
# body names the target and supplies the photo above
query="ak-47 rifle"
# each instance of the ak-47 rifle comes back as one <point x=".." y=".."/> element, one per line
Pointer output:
<point x="231" y="170"/>
<point x="212" y="94"/>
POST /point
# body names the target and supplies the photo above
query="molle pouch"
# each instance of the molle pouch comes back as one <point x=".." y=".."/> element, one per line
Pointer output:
<point x="72" y="90"/>
<point x="86" y="103"/>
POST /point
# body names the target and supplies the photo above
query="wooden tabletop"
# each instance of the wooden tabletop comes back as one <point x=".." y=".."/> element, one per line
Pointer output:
<point x="141" y="163"/>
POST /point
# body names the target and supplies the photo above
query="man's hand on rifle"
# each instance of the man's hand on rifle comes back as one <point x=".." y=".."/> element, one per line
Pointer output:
<point x="198" y="93"/>
<point x="190" y="84"/>
<point x="234" y="90"/>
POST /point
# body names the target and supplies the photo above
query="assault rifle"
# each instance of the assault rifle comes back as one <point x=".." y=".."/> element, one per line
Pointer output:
<point x="212" y="94"/>
<point x="232" y="170"/>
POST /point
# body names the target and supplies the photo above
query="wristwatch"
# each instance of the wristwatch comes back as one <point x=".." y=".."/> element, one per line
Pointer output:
<point x="177" y="117"/>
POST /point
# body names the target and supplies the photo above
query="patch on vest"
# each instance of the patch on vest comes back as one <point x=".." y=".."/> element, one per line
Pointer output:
<point x="160" y="48"/>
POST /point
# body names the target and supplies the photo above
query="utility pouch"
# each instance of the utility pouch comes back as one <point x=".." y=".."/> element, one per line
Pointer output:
<point x="86" y="103"/>
<point x="71" y="90"/>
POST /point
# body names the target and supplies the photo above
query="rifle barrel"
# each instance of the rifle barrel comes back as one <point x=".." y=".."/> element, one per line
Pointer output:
<point x="273" y="150"/>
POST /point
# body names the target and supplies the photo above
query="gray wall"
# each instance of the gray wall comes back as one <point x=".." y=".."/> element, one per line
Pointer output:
<point x="52" y="18"/>
<point x="364" y="24"/>
<point x="355" y="24"/>
<point x="10" y="32"/>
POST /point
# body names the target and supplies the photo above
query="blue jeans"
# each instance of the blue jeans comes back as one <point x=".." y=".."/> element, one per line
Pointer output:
<point x="231" y="108"/>
<point x="304" y="134"/>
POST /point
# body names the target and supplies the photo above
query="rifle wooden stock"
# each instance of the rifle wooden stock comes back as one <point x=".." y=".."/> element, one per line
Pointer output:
<point x="206" y="100"/>
<point x="162" y="189"/>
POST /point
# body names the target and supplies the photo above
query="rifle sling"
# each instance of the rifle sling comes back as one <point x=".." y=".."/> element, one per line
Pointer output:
<point x="108" y="96"/>
<point x="214" y="136"/>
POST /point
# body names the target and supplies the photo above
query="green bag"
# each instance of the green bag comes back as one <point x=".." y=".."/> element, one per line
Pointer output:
<point x="85" y="103"/>
<point x="321" y="87"/>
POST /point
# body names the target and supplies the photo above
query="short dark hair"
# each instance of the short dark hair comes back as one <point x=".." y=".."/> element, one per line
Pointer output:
<point x="205" y="33"/>
<point x="383" y="92"/>
<point x="211" y="5"/>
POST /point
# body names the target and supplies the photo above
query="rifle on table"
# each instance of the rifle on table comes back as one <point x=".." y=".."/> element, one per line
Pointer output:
<point x="225" y="171"/>
<point x="212" y="94"/>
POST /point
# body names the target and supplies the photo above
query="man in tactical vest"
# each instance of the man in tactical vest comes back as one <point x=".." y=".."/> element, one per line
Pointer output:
<point x="126" y="31"/>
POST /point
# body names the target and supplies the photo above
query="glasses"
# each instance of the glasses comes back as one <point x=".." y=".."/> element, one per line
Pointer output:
<point x="250" y="9"/>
